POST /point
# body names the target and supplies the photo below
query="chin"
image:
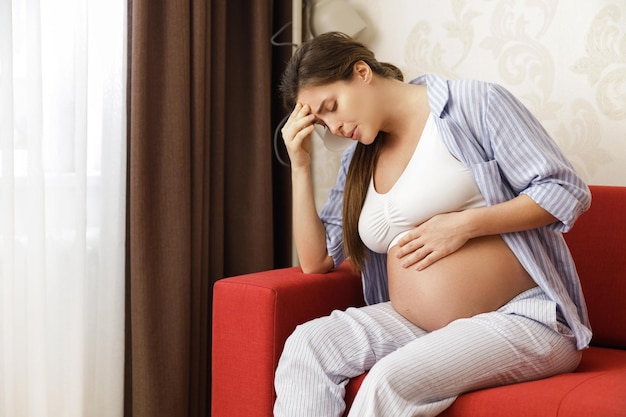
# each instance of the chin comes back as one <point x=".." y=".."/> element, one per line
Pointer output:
<point x="367" y="140"/>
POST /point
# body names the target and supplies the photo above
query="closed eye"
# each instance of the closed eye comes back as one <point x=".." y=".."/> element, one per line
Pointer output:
<point x="325" y="109"/>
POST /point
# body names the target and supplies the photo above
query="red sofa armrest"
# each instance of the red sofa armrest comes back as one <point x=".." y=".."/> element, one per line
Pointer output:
<point x="253" y="315"/>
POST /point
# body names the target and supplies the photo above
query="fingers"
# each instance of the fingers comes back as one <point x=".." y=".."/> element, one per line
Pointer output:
<point x="408" y="243"/>
<point x="299" y="111"/>
<point x="412" y="252"/>
<point x="297" y="135"/>
<point x="299" y="125"/>
<point x="428" y="260"/>
<point x="413" y="257"/>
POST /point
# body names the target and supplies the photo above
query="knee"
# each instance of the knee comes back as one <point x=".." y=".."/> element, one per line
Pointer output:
<point x="383" y="377"/>
<point x="390" y="379"/>
<point x="307" y="343"/>
<point x="305" y="337"/>
<point x="381" y="392"/>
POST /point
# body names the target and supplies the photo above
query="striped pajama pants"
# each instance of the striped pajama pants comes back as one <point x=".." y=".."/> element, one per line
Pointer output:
<point x="413" y="372"/>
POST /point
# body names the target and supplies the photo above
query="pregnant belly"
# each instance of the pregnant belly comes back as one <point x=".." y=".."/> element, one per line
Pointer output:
<point x="482" y="276"/>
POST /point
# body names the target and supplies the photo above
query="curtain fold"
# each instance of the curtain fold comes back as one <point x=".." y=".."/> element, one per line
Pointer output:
<point x="201" y="181"/>
<point x="62" y="208"/>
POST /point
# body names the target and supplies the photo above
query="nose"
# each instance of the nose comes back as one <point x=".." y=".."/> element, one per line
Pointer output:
<point x="335" y="127"/>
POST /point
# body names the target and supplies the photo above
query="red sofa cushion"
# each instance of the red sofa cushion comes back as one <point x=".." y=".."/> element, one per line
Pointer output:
<point x="598" y="244"/>
<point x="601" y="374"/>
<point x="253" y="315"/>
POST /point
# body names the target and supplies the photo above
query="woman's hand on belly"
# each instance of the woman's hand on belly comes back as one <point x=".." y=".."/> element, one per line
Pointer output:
<point x="444" y="234"/>
<point x="436" y="238"/>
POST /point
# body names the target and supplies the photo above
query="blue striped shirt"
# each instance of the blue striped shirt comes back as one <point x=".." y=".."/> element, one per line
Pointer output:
<point x="509" y="153"/>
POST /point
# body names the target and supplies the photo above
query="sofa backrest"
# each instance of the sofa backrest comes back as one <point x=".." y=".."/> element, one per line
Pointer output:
<point x="598" y="244"/>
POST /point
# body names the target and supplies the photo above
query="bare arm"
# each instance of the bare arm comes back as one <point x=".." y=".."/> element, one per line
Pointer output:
<point x="308" y="230"/>
<point x="518" y="214"/>
<point x="444" y="234"/>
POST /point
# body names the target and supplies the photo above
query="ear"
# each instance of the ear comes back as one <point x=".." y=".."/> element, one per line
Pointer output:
<point x="362" y="71"/>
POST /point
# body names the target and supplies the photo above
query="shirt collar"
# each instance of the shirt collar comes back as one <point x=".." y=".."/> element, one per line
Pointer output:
<point x="438" y="92"/>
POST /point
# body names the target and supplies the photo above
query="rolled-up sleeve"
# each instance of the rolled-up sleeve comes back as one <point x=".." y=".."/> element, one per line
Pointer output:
<point x="531" y="161"/>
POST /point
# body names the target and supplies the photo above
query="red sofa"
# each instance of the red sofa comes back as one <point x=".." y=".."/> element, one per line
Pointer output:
<point x="254" y="314"/>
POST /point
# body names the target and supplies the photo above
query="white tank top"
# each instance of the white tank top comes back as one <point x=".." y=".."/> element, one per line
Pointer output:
<point x="433" y="182"/>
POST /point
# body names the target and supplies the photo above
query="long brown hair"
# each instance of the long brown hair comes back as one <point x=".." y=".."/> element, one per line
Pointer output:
<point x="325" y="59"/>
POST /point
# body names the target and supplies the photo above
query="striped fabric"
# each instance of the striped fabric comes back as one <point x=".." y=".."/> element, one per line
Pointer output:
<point x="509" y="153"/>
<point x="413" y="372"/>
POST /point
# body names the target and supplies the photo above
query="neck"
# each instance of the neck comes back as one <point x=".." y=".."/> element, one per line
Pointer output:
<point x="404" y="106"/>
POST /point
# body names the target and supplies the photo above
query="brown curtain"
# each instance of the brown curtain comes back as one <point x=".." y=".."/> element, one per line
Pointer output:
<point x="206" y="198"/>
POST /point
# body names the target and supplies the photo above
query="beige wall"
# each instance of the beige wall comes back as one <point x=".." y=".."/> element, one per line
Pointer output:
<point x="562" y="58"/>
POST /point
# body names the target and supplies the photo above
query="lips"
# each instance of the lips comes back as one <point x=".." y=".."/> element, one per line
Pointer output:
<point x="352" y="135"/>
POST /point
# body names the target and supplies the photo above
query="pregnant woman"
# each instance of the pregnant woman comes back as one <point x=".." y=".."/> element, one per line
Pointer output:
<point x="451" y="203"/>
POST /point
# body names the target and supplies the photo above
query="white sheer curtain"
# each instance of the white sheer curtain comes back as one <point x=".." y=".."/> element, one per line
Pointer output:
<point x="62" y="207"/>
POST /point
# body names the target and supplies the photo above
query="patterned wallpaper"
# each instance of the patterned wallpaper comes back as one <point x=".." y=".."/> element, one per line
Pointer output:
<point x="565" y="59"/>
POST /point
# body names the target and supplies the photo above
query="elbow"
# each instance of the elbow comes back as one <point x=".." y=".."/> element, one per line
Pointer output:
<point x="320" y="267"/>
<point x="310" y="270"/>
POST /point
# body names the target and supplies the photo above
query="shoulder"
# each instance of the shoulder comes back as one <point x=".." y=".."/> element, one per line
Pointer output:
<point x="445" y="93"/>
